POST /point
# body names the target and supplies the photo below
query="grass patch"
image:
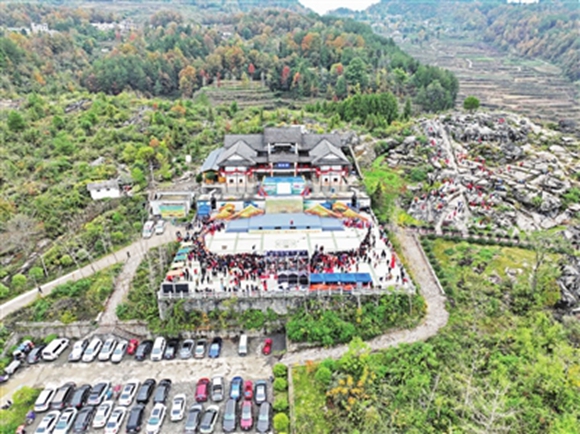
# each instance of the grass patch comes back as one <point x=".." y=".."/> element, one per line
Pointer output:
<point x="23" y="401"/>
<point x="72" y="301"/>
<point x="309" y="402"/>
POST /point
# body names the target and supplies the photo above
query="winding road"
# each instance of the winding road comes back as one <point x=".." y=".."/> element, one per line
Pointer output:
<point x="435" y="318"/>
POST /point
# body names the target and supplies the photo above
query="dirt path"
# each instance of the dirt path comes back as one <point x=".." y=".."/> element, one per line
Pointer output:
<point x="136" y="250"/>
<point x="435" y="318"/>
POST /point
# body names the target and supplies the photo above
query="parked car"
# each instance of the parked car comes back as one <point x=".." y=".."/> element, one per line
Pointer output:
<point x="248" y="390"/>
<point x="98" y="393"/>
<point x="200" y="349"/>
<point x="178" y="407"/>
<point x="260" y="392"/>
<point x="35" y="355"/>
<point x="13" y="366"/>
<point x="120" y="351"/>
<point x="62" y="396"/>
<point x="209" y="419"/>
<point x="247" y="416"/>
<point x="54" y="349"/>
<point x="145" y="391"/>
<point x="115" y="420"/>
<point x="48" y="422"/>
<point x="107" y="350"/>
<point x="267" y="348"/>
<point x="217" y="388"/>
<point x="84" y="419"/>
<point x="186" y="350"/>
<point x="143" y="350"/>
<point x="171" y="349"/>
<point x="92" y="350"/>
<point x="80" y="396"/>
<point x="236" y="388"/>
<point x="230" y="415"/>
<point x="78" y="349"/>
<point x="215" y="348"/>
<point x="158" y="349"/>
<point x="65" y="421"/>
<point x="159" y="227"/>
<point x="193" y="418"/>
<point x="264" y="417"/>
<point x="103" y="412"/>
<point x="23" y="349"/>
<point x="156" y="419"/>
<point x="202" y="390"/>
<point x="162" y="391"/>
<point x="128" y="393"/>
<point x="132" y="347"/>
<point x="44" y="399"/>
<point x="135" y="419"/>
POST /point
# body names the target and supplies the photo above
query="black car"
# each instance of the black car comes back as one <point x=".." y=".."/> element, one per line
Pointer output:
<point x="84" y="419"/>
<point x="35" y="355"/>
<point x="98" y="393"/>
<point x="162" y="391"/>
<point x="171" y="349"/>
<point x="135" y="418"/>
<point x="145" y="391"/>
<point x="62" y="396"/>
<point x="143" y="350"/>
<point x="80" y="397"/>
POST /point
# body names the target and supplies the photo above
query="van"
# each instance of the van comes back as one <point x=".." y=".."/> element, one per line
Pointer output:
<point x="158" y="349"/>
<point x="148" y="229"/>
<point x="54" y="349"/>
<point x="243" y="345"/>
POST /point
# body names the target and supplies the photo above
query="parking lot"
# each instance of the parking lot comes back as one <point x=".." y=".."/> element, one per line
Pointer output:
<point x="184" y="375"/>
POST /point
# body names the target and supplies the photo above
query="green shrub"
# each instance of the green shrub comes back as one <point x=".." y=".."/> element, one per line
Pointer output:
<point x="280" y="385"/>
<point x="47" y="340"/>
<point x="281" y="422"/>
<point x="323" y="376"/>
<point x="329" y="364"/>
<point x="280" y="370"/>
<point x="19" y="281"/>
<point x="280" y="404"/>
<point x="4" y="290"/>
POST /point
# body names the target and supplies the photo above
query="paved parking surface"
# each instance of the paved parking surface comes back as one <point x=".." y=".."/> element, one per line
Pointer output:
<point x="184" y="375"/>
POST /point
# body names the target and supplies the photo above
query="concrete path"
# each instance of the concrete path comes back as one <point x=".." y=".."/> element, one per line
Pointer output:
<point x="435" y="318"/>
<point x="136" y="250"/>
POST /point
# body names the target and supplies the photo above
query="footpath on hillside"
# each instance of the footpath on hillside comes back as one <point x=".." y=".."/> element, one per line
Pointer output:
<point x="435" y="318"/>
<point x="136" y="252"/>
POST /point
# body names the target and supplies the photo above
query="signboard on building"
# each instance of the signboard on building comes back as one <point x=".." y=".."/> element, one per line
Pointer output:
<point x="172" y="210"/>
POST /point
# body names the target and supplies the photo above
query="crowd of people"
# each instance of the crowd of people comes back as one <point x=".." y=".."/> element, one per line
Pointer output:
<point x="247" y="272"/>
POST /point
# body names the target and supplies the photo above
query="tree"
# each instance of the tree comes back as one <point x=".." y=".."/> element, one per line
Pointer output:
<point x="356" y="73"/>
<point x="281" y="422"/>
<point x="15" y="121"/>
<point x="408" y="110"/>
<point x="187" y="81"/>
<point x="471" y="103"/>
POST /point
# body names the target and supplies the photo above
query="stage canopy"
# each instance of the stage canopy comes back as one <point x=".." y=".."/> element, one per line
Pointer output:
<point x="346" y="278"/>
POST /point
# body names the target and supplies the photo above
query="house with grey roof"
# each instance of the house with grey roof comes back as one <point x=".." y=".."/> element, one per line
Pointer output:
<point x="104" y="189"/>
<point x="286" y="151"/>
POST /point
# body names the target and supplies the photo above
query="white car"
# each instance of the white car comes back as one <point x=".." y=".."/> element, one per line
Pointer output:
<point x="158" y="349"/>
<point x="156" y="419"/>
<point x="92" y="350"/>
<point x="65" y="421"/>
<point x="115" y="421"/>
<point x="44" y="399"/>
<point x="209" y="419"/>
<point x="159" y="227"/>
<point x="178" y="407"/>
<point x="48" y="422"/>
<point x="119" y="352"/>
<point x="107" y="350"/>
<point x="103" y="412"/>
<point x="128" y="393"/>
<point x="77" y="351"/>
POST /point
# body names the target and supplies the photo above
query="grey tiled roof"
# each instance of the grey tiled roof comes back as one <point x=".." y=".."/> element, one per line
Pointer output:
<point x="319" y="154"/>
<point x="241" y="149"/>
<point x="210" y="162"/>
<point x="100" y="185"/>
<point x="283" y="135"/>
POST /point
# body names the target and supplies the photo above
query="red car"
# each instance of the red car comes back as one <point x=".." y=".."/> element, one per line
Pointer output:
<point x="267" y="349"/>
<point x="248" y="391"/>
<point x="202" y="390"/>
<point x="132" y="347"/>
<point x="247" y="418"/>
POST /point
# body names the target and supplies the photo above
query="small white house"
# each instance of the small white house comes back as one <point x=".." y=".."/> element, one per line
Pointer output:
<point x="104" y="189"/>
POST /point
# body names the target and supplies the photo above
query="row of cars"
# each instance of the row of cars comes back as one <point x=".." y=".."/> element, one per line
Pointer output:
<point x="77" y="409"/>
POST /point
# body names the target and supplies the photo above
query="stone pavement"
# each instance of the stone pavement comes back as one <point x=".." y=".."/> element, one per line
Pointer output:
<point x="136" y="250"/>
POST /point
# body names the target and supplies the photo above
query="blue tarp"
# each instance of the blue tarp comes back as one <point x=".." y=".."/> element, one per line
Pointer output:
<point x="340" y="278"/>
<point x="203" y="210"/>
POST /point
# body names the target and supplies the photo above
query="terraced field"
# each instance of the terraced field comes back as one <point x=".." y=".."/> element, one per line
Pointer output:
<point x="532" y="88"/>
